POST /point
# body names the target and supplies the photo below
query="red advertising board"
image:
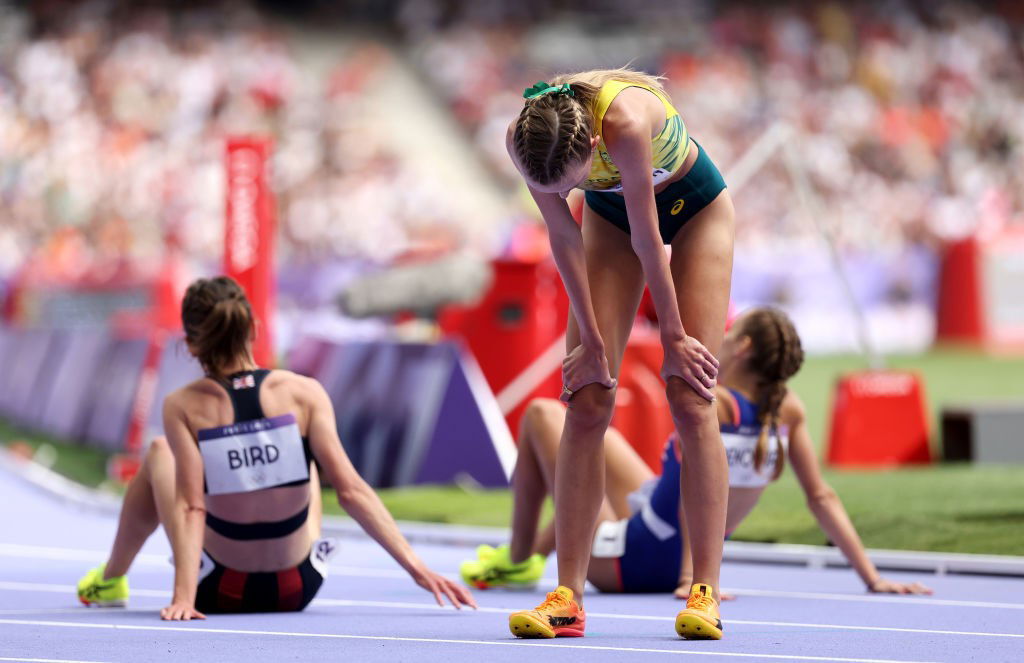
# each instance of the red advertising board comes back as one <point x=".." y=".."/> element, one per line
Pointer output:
<point x="249" y="233"/>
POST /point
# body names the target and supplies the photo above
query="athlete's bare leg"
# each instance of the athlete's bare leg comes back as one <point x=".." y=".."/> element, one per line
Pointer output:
<point x="616" y="283"/>
<point x="540" y="434"/>
<point x="702" y="270"/>
<point x="148" y="502"/>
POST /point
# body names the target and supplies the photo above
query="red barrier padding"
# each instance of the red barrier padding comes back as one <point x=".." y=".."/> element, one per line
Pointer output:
<point x="959" y="317"/>
<point x="879" y="418"/>
<point x="249" y="234"/>
<point x="979" y="292"/>
<point x="519" y="318"/>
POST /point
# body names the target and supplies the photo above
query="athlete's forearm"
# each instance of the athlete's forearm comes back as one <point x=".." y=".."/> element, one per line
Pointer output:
<point x="567" y="250"/>
<point x="835" y="522"/>
<point x="186" y="535"/>
<point x="649" y="249"/>
<point x="364" y="505"/>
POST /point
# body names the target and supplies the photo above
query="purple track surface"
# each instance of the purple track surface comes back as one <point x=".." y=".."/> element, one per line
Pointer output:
<point x="368" y="610"/>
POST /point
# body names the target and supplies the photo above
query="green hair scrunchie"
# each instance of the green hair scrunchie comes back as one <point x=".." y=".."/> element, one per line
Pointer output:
<point x="542" y="88"/>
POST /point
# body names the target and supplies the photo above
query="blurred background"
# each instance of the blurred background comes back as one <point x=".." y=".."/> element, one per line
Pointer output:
<point x="345" y="160"/>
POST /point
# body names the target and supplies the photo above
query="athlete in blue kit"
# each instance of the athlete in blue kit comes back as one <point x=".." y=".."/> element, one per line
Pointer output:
<point x="234" y="484"/>
<point x="639" y="544"/>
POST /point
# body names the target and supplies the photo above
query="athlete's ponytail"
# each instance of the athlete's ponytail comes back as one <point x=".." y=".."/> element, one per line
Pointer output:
<point x="218" y="323"/>
<point x="776" y="355"/>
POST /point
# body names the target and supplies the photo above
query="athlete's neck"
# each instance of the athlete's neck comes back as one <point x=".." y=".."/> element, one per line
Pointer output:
<point x="238" y="365"/>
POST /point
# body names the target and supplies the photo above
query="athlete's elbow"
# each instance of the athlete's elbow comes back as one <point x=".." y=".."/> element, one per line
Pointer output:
<point x="352" y="493"/>
<point x="821" y="497"/>
<point x="192" y="509"/>
<point x="645" y="244"/>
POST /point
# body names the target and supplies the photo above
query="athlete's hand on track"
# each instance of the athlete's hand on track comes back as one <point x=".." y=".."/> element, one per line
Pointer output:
<point x="181" y="611"/>
<point x="883" y="586"/>
<point x="583" y="366"/>
<point x="689" y="360"/>
<point x="439" y="586"/>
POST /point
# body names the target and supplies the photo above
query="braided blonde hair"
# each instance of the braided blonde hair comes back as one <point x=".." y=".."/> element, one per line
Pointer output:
<point x="553" y="132"/>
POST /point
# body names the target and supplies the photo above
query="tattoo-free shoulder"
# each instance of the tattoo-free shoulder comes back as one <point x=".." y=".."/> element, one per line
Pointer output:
<point x="792" y="411"/>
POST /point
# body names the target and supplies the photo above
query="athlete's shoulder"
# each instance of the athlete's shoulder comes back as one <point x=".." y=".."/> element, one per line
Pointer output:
<point x="199" y="388"/>
<point x="633" y="110"/>
<point x="302" y="386"/>
<point x="792" y="410"/>
<point x="727" y="408"/>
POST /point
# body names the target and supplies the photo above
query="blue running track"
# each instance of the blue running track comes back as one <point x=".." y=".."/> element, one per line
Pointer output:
<point x="368" y="610"/>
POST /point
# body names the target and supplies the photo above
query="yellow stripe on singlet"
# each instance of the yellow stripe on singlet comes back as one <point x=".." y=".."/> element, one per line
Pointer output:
<point x="669" y="148"/>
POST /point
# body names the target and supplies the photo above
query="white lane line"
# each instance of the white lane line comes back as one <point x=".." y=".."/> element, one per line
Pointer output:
<point x="44" y="660"/>
<point x="160" y="561"/>
<point x="876" y="598"/>
<point x="70" y="554"/>
<point x="356" y="603"/>
<point x="69" y="589"/>
<point x="490" y="643"/>
<point x="660" y="618"/>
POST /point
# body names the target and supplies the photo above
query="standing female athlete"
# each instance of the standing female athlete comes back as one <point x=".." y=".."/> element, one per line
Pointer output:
<point x="639" y="546"/>
<point x="616" y="135"/>
<point x="237" y="458"/>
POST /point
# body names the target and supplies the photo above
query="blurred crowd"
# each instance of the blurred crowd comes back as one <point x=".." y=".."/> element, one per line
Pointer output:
<point x="903" y="116"/>
<point x="906" y="115"/>
<point x="112" y="128"/>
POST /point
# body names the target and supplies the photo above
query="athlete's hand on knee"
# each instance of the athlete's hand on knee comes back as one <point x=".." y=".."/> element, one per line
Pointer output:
<point x="181" y="611"/>
<point x="883" y="586"/>
<point x="690" y="360"/>
<point x="440" y="587"/>
<point x="583" y="366"/>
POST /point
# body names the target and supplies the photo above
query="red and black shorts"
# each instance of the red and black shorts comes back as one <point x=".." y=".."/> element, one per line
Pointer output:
<point x="222" y="589"/>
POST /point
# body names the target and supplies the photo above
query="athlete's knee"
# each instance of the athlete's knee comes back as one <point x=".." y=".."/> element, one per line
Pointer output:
<point x="159" y="445"/>
<point x="592" y="406"/>
<point x="687" y="406"/>
<point x="541" y="411"/>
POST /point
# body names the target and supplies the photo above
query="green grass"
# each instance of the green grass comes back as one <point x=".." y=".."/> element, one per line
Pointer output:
<point x="952" y="508"/>
<point x="83" y="464"/>
<point x="950" y="376"/>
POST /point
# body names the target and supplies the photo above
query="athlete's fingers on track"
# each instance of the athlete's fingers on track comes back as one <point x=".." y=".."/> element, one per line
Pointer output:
<point x="432" y="586"/>
<point x="465" y="596"/>
<point x="452" y="595"/>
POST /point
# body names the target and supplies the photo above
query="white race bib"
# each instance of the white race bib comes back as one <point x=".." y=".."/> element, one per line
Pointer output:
<point x="739" y="452"/>
<point x="252" y="455"/>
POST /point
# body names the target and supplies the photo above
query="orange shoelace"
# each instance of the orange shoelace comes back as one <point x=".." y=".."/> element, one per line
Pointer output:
<point x="553" y="600"/>
<point x="701" y="602"/>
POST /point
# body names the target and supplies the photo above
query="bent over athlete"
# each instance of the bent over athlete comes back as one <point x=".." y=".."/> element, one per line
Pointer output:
<point x="617" y="135"/>
<point x="234" y="485"/>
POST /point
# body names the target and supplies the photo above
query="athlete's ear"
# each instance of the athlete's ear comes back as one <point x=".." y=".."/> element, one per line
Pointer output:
<point x="594" y="140"/>
<point x="744" y="347"/>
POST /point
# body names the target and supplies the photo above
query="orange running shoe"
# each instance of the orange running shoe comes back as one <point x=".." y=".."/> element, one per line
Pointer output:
<point x="700" y="620"/>
<point x="559" y="616"/>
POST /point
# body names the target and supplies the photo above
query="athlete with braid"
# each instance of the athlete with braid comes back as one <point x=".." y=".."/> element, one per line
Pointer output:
<point x="616" y="135"/>
<point x="640" y="546"/>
